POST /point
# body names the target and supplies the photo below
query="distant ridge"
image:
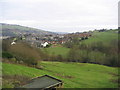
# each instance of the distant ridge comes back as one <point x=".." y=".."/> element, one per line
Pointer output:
<point x="15" y="30"/>
<point x="62" y="32"/>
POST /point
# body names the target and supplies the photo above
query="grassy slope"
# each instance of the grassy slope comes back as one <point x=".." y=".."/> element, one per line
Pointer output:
<point x="75" y="75"/>
<point x="59" y="50"/>
<point x="104" y="37"/>
<point x="18" y="27"/>
<point x="13" y="30"/>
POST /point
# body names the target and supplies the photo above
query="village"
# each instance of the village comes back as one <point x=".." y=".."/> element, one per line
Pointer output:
<point x="48" y="40"/>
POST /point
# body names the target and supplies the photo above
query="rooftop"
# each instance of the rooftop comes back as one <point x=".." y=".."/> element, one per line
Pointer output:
<point x="43" y="82"/>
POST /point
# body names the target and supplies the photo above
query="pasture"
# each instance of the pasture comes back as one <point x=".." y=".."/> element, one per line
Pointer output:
<point x="74" y="75"/>
<point x="59" y="50"/>
<point x="104" y="37"/>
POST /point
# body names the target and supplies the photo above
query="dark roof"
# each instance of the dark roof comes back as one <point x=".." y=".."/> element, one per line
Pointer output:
<point x="43" y="82"/>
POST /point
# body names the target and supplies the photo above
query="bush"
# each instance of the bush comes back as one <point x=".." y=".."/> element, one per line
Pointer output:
<point x="24" y="52"/>
<point x="49" y="45"/>
<point x="69" y="44"/>
<point x="5" y="45"/>
<point x="59" y="57"/>
<point x="13" y="59"/>
<point x="7" y="55"/>
<point x="13" y="81"/>
<point x="86" y="37"/>
<point x="82" y="38"/>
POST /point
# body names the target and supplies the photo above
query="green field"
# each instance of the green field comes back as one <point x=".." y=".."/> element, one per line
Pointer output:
<point x="59" y="50"/>
<point x="105" y="37"/>
<point x="74" y="75"/>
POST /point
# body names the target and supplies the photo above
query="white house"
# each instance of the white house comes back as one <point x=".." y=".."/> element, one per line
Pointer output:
<point x="13" y="43"/>
<point x="44" y="44"/>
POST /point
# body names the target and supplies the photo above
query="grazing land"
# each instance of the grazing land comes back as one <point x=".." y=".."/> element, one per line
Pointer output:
<point x="74" y="75"/>
<point x="104" y="37"/>
<point x="58" y="50"/>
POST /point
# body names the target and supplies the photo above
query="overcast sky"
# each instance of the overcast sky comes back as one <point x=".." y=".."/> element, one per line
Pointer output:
<point x="61" y="15"/>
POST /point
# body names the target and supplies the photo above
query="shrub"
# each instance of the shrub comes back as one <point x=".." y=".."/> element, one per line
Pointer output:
<point x="49" y="45"/>
<point x="7" y="55"/>
<point x="26" y="53"/>
<point x="59" y="57"/>
<point x="5" y="45"/>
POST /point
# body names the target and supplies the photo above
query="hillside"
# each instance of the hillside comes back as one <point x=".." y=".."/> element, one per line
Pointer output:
<point x="104" y="37"/>
<point x="74" y="75"/>
<point x="15" y="30"/>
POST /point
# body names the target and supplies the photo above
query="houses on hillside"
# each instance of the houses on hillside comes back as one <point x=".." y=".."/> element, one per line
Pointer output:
<point x="44" y="40"/>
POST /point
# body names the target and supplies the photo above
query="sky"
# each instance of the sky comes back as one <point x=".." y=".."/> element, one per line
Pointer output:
<point x="61" y="15"/>
<point x="119" y="14"/>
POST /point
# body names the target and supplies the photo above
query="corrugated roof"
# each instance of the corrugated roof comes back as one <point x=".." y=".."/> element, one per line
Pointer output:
<point x="42" y="82"/>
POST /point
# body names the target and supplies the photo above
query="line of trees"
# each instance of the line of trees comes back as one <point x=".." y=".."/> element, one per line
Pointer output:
<point x="97" y="52"/>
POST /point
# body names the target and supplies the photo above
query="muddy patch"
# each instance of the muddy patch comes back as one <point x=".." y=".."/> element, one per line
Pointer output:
<point x="64" y="76"/>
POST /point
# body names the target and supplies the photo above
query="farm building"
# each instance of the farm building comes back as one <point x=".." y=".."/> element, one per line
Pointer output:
<point x="44" y="82"/>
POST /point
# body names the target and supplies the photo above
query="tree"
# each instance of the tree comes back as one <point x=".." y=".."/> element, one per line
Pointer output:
<point x="5" y="45"/>
<point x="82" y="38"/>
<point x="7" y="55"/>
<point x="86" y="37"/>
<point x="26" y="53"/>
<point x="69" y="44"/>
<point x="76" y="41"/>
<point x="59" y="58"/>
<point x="74" y="55"/>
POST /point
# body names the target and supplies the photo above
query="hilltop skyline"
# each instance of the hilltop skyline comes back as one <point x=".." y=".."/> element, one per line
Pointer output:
<point x="61" y="15"/>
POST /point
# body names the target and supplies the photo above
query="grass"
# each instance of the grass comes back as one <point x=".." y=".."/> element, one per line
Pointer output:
<point x="18" y="27"/>
<point x="74" y="75"/>
<point x="105" y="37"/>
<point x="58" y="50"/>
